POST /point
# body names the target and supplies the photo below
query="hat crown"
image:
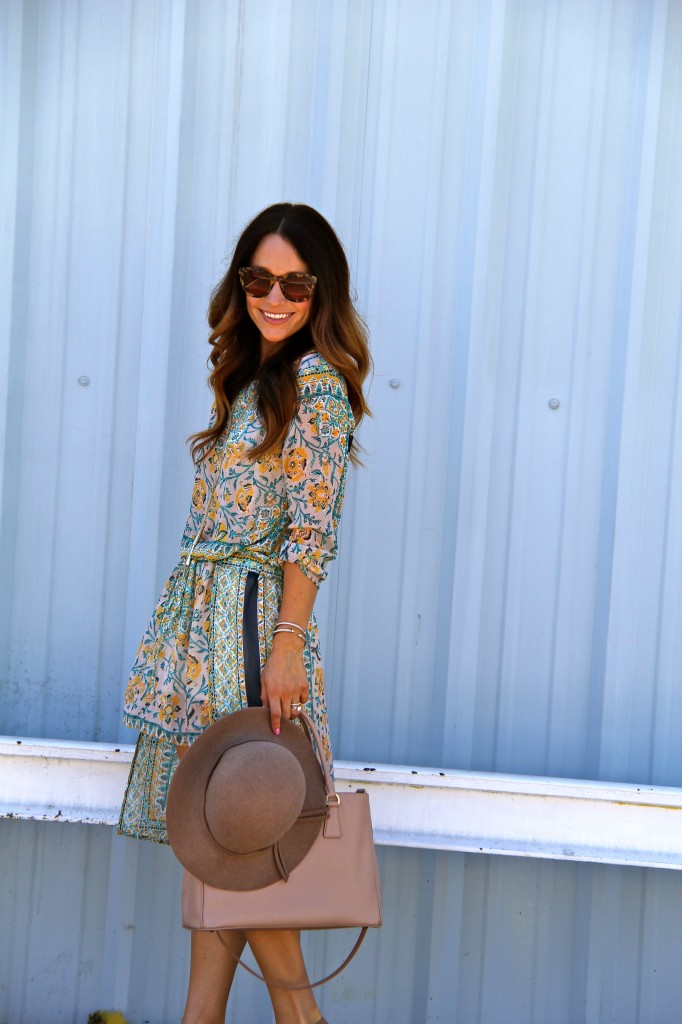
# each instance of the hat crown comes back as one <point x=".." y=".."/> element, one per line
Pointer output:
<point x="254" y="796"/>
<point x="218" y="806"/>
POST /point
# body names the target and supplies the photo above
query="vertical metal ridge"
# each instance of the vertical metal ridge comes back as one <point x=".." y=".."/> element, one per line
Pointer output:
<point x="504" y="177"/>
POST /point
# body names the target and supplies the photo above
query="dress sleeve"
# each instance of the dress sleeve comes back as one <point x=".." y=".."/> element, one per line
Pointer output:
<point x="315" y="460"/>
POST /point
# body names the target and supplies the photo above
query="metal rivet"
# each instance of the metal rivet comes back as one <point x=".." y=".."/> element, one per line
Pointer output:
<point x="84" y="381"/>
<point x="554" y="404"/>
<point x="394" y="382"/>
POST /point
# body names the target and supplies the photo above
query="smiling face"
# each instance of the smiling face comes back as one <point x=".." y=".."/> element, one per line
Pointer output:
<point x="276" y="317"/>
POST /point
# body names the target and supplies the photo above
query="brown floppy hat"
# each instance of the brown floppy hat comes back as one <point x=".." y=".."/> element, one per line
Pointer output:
<point x="245" y="806"/>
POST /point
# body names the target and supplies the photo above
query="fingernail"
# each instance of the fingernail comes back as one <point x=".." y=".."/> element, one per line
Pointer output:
<point x="276" y="732"/>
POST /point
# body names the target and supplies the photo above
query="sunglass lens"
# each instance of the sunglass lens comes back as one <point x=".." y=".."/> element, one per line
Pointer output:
<point x="256" y="283"/>
<point x="297" y="287"/>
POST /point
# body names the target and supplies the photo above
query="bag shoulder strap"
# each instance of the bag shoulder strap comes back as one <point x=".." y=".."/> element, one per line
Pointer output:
<point x="297" y="988"/>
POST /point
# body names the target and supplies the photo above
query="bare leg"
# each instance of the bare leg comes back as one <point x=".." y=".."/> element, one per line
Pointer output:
<point x="280" y="958"/>
<point x="212" y="970"/>
<point x="213" y="966"/>
<point x="211" y="973"/>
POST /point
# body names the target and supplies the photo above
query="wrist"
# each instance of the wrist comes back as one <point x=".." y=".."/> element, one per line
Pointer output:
<point x="286" y="626"/>
<point x="288" y="642"/>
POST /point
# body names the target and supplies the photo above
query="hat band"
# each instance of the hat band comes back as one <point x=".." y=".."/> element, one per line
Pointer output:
<point x="280" y="862"/>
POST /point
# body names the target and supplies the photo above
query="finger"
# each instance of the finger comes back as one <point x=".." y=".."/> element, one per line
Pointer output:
<point x="264" y="695"/>
<point x="275" y="714"/>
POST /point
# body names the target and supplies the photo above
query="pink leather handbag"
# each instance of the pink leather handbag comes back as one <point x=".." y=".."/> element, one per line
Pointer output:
<point x="336" y="885"/>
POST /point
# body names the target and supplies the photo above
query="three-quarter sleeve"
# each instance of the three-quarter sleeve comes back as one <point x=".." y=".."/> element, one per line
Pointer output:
<point x="314" y="460"/>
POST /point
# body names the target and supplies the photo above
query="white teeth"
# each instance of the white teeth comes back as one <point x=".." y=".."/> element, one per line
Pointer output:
<point x="275" y="316"/>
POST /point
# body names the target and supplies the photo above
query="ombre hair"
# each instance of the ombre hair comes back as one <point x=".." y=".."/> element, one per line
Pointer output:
<point x="334" y="329"/>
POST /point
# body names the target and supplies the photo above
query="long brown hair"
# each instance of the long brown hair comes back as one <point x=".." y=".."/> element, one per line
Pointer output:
<point x="334" y="329"/>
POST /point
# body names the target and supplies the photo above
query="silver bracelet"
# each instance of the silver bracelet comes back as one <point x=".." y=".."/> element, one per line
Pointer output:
<point x="283" y="622"/>
<point x="283" y="629"/>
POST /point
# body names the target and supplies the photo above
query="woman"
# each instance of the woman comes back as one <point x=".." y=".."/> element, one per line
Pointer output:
<point x="234" y="624"/>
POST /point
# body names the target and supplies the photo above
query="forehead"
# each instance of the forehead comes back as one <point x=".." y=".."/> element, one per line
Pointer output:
<point x="278" y="256"/>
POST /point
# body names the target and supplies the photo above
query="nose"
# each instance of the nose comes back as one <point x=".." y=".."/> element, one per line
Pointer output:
<point x="276" y="295"/>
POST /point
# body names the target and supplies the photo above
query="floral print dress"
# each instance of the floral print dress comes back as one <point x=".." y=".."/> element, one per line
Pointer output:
<point x="211" y="632"/>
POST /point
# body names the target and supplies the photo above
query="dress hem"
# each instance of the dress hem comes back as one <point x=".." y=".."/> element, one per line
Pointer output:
<point x="162" y="840"/>
<point x="179" y="739"/>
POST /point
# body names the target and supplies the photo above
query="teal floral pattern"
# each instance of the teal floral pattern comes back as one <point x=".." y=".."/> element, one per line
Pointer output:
<point x="285" y="506"/>
<point x="246" y="516"/>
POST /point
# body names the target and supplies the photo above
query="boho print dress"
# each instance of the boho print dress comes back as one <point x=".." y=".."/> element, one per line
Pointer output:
<point x="211" y="632"/>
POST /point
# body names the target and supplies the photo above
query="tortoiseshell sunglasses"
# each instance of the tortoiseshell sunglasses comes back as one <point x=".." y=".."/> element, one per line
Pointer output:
<point x="295" y="287"/>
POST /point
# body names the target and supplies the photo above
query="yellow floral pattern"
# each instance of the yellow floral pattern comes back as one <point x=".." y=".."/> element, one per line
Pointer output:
<point x="199" y="495"/>
<point x="262" y="506"/>
<point x="295" y="463"/>
<point x="246" y="516"/>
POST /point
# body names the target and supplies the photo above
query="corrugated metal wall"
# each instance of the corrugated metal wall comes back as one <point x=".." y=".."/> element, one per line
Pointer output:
<point x="506" y="178"/>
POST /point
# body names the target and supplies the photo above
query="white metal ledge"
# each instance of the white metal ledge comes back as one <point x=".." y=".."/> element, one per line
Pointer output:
<point x="512" y="815"/>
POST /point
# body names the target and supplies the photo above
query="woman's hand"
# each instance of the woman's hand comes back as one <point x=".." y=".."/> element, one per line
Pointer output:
<point x="283" y="679"/>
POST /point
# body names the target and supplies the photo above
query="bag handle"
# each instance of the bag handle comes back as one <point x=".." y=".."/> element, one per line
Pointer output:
<point x="298" y="988"/>
<point x="313" y="735"/>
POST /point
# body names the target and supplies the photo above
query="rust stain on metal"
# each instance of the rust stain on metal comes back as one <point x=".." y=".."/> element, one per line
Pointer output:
<point x="650" y="807"/>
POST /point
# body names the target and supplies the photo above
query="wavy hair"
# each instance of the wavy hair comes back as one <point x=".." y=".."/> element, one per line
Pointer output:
<point x="334" y="329"/>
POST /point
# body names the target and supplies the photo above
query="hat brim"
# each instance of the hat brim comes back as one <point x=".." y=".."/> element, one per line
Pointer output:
<point x="186" y="824"/>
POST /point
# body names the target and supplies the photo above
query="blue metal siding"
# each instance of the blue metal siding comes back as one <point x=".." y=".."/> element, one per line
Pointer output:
<point x="520" y="244"/>
<point x="90" y="922"/>
<point x="505" y="176"/>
